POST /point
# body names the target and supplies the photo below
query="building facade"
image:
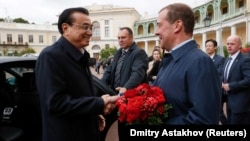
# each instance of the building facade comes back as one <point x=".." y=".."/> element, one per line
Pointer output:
<point x="227" y="17"/>
<point x="15" y="37"/>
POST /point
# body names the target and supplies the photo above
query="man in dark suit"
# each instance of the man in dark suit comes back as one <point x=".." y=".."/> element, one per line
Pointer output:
<point x="211" y="47"/>
<point x="71" y="110"/>
<point x="133" y="68"/>
<point x="188" y="76"/>
<point x="237" y="82"/>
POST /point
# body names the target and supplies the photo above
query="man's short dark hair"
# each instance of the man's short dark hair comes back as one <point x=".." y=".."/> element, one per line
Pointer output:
<point x="128" y="29"/>
<point x="181" y="11"/>
<point x="65" y="16"/>
<point x="213" y="41"/>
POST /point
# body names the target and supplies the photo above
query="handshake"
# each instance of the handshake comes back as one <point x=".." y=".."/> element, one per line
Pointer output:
<point x="109" y="103"/>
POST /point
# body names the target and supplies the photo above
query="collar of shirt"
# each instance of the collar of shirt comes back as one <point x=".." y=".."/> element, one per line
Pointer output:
<point x="212" y="56"/>
<point x="82" y="50"/>
<point x="234" y="55"/>
<point x="180" y="45"/>
<point x="125" y="50"/>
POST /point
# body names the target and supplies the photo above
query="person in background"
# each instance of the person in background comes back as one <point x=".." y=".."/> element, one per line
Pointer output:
<point x="71" y="110"/>
<point x="236" y="82"/>
<point x="98" y="65"/>
<point x="132" y="72"/>
<point x="154" y="65"/>
<point x="211" y="47"/>
<point x="188" y="76"/>
<point x="150" y="58"/>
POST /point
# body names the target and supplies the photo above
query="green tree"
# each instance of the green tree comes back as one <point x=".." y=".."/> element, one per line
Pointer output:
<point x="247" y="45"/>
<point x="1" y="19"/>
<point x="225" y="51"/>
<point x="107" y="52"/>
<point x="5" y="51"/>
<point x="15" y="53"/>
<point x="27" y="50"/>
<point x="20" y="20"/>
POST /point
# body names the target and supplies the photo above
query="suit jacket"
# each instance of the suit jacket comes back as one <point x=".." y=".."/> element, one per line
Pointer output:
<point x="68" y="100"/>
<point x="191" y="85"/>
<point x="133" y="70"/>
<point x="239" y="84"/>
<point x="219" y="62"/>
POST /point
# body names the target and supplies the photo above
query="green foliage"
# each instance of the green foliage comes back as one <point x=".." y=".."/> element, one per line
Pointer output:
<point x="247" y="45"/>
<point x="1" y="19"/>
<point x="20" y="20"/>
<point x="155" y="119"/>
<point x="27" y="50"/>
<point x="225" y="51"/>
<point x="15" y="53"/>
<point x="107" y="52"/>
<point x="5" y="52"/>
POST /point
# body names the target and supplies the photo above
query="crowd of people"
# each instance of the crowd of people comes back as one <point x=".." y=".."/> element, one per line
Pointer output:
<point x="195" y="83"/>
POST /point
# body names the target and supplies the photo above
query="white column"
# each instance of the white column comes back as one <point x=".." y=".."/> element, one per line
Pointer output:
<point x="233" y="30"/>
<point x="146" y="46"/>
<point x="204" y="38"/>
<point x="156" y="42"/>
<point x="219" y="41"/>
<point x="248" y="30"/>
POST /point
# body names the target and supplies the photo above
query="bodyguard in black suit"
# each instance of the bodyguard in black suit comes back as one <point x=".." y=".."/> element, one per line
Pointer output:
<point x="71" y="110"/>
<point x="211" y="47"/>
<point x="237" y="82"/>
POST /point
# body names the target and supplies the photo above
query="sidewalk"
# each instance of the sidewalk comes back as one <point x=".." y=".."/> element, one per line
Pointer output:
<point x="92" y="69"/>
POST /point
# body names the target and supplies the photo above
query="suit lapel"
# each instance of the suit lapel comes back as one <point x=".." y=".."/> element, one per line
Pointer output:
<point x="214" y="58"/>
<point x="234" y="65"/>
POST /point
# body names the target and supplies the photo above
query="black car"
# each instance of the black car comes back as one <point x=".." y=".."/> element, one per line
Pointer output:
<point x="20" y="113"/>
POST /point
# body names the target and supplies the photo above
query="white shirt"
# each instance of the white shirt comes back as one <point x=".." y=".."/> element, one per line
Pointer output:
<point x="180" y="45"/>
<point x="233" y="59"/>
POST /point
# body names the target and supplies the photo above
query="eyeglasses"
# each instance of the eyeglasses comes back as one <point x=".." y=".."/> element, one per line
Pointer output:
<point x="84" y="26"/>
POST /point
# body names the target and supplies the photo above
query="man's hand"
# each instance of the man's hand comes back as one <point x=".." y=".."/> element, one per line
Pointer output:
<point x="225" y="86"/>
<point x="121" y="90"/>
<point x="102" y="122"/>
<point x="109" y="103"/>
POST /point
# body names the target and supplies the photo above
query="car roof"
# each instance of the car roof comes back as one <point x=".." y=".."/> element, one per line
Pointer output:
<point x="8" y="59"/>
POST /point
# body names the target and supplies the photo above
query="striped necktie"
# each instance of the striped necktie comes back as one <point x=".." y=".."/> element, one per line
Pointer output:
<point x="226" y="72"/>
<point x="118" y="69"/>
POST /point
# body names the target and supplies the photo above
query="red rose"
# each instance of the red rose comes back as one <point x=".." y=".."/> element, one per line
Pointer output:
<point x="143" y="105"/>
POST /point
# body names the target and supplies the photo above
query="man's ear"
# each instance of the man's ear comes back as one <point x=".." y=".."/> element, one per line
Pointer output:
<point x="178" y="26"/>
<point x="65" y="28"/>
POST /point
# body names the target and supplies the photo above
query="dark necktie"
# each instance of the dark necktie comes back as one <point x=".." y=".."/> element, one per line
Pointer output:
<point x="226" y="71"/>
<point x="118" y="69"/>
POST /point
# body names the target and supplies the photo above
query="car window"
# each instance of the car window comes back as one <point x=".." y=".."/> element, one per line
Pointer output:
<point x="10" y="79"/>
<point x="14" y="74"/>
<point x="21" y="70"/>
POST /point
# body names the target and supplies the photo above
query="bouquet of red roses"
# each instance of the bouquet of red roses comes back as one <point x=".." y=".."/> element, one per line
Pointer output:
<point x="144" y="104"/>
